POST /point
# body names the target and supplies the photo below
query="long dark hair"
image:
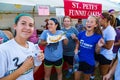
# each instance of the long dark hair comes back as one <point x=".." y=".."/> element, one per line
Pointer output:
<point x="56" y="23"/>
<point x="20" y="15"/>
<point x="110" y="18"/>
<point x="17" y="18"/>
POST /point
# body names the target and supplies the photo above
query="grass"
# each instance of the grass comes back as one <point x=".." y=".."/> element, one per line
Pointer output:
<point x="54" y="76"/>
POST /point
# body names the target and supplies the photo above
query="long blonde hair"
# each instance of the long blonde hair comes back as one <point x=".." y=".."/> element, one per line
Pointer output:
<point x="97" y="29"/>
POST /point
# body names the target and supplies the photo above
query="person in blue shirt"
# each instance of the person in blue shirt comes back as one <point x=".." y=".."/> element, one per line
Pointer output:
<point x="70" y="49"/>
<point x="5" y="35"/>
<point x="53" y="50"/>
<point x="79" y="26"/>
<point x="90" y="42"/>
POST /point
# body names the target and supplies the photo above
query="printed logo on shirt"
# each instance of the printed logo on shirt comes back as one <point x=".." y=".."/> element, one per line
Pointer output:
<point x="85" y="45"/>
<point x="53" y="46"/>
<point x="16" y="60"/>
<point x="11" y="71"/>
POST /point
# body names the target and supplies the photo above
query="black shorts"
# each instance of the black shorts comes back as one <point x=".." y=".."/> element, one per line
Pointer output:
<point x="96" y="56"/>
<point x="102" y="60"/>
<point x="57" y="63"/>
<point x="86" y="68"/>
<point x="68" y="59"/>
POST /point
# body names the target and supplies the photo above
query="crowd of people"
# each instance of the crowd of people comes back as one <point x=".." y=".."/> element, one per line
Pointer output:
<point x="96" y="42"/>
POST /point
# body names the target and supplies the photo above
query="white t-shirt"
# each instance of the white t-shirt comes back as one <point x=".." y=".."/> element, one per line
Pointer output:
<point x="108" y="34"/>
<point x="12" y="55"/>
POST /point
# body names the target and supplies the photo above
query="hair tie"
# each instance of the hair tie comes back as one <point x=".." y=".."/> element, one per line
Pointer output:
<point x="102" y="16"/>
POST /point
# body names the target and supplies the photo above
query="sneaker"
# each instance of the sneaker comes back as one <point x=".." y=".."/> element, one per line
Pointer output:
<point x="91" y="79"/>
<point x="68" y="75"/>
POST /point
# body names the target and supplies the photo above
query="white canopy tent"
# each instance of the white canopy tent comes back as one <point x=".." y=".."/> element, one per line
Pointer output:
<point x="117" y="1"/>
<point x="23" y="2"/>
<point x="17" y="6"/>
<point x="11" y="6"/>
<point x="106" y="4"/>
<point x="28" y="5"/>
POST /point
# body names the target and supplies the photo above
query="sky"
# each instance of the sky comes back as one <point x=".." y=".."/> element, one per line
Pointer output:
<point x="117" y="1"/>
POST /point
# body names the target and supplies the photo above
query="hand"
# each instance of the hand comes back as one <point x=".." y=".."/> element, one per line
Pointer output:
<point x="107" y="77"/>
<point x="41" y="56"/>
<point x="76" y="51"/>
<point x="101" y="42"/>
<point x="73" y="36"/>
<point x="28" y="63"/>
<point x="65" y="41"/>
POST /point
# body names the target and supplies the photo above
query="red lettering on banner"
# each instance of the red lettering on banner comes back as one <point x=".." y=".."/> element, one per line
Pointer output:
<point x="76" y="9"/>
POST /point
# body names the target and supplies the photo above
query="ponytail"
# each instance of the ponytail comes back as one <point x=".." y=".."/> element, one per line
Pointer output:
<point x="113" y="21"/>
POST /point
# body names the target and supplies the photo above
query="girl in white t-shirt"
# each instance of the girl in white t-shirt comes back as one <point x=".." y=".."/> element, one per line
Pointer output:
<point x="19" y="58"/>
<point x="106" y="55"/>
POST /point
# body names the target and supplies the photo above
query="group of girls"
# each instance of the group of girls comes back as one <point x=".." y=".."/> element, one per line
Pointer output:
<point x="17" y="55"/>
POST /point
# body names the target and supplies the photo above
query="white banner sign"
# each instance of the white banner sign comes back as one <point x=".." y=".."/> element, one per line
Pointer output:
<point x="43" y="10"/>
<point x="60" y="12"/>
